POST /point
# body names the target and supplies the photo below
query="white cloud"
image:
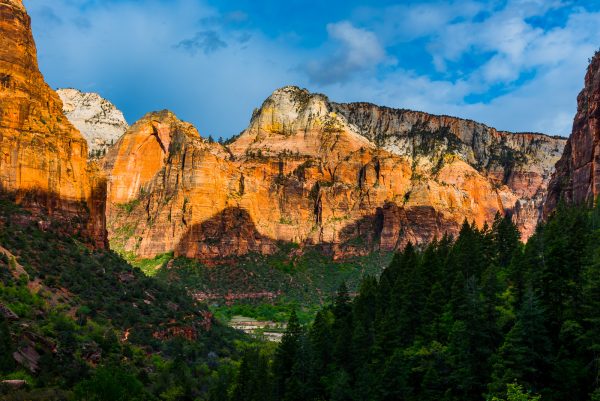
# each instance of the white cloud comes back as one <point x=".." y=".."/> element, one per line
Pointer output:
<point x="356" y="50"/>
<point x="128" y="53"/>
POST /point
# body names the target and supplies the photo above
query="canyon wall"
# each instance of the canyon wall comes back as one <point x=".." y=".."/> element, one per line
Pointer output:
<point x="577" y="176"/>
<point x="350" y="178"/>
<point x="43" y="158"/>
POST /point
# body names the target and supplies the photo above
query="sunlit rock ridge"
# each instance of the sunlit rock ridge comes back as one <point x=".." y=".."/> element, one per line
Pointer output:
<point x="350" y="178"/>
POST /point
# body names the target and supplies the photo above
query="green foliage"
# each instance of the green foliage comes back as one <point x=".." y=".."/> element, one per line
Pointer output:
<point x="515" y="392"/>
<point x="7" y="363"/>
<point x="110" y="383"/>
<point x="307" y="278"/>
<point x="129" y="206"/>
<point x="98" y="324"/>
<point x="150" y="267"/>
<point x="460" y="320"/>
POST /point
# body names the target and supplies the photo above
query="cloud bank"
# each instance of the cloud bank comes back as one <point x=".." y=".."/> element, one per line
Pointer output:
<point x="514" y="64"/>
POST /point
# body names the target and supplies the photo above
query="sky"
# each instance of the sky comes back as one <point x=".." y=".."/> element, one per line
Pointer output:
<point x="515" y="65"/>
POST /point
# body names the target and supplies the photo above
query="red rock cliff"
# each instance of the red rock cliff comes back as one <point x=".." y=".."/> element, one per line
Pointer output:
<point x="577" y="176"/>
<point x="308" y="171"/>
<point x="43" y="159"/>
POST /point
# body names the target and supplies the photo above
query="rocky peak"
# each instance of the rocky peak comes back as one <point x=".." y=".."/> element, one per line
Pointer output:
<point x="100" y="122"/>
<point x="577" y="176"/>
<point x="297" y="121"/>
<point x="291" y="106"/>
<point x="145" y="149"/>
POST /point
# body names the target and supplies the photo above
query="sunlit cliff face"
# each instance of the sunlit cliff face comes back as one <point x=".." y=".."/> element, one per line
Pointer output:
<point x="43" y="159"/>
<point x="351" y="177"/>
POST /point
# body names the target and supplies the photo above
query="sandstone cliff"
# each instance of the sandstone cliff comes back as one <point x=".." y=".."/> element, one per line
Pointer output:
<point x="43" y="160"/>
<point x="523" y="162"/>
<point x="350" y="178"/>
<point x="577" y="176"/>
<point x="98" y="120"/>
<point x="164" y="181"/>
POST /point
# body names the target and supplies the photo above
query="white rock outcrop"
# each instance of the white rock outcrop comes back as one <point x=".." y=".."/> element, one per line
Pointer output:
<point x="98" y="120"/>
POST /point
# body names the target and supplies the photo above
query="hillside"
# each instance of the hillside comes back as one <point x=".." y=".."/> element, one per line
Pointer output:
<point x="69" y="312"/>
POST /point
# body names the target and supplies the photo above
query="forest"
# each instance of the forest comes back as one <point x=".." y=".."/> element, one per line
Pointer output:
<point x="479" y="317"/>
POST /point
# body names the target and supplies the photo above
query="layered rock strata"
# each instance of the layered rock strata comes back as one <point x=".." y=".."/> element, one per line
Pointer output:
<point x="348" y="177"/>
<point x="43" y="158"/>
<point x="577" y="176"/>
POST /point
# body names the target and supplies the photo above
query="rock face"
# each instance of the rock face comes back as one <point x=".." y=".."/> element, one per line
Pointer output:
<point x="100" y="122"/>
<point x="348" y="177"/>
<point x="43" y="158"/>
<point x="577" y="176"/>
<point x="521" y="162"/>
<point x="163" y="181"/>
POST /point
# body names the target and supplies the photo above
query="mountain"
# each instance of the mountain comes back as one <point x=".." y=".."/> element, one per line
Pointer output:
<point x="350" y="178"/>
<point x="98" y="120"/>
<point x="44" y="158"/>
<point x="577" y="176"/>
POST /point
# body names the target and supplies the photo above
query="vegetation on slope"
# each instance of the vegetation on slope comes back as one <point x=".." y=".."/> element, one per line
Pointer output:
<point x="88" y="326"/>
<point x="482" y="317"/>
<point x="266" y="287"/>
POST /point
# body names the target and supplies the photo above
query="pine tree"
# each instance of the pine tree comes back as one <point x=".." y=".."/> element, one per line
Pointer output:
<point x="524" y="355"/>
<point x="506" y="239"/>
<point x="342" y="329"/>
<point x="286" y="355"/>
<point x="394" y="379"/>
<point x="7" y="363"/>
<point x="320" y="337"/>
<point x="298" y="385"/>
<point x="253" y="381"/>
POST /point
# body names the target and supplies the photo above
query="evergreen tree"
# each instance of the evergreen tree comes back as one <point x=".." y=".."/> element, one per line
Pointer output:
<point x="524" y="355"/>
<point x="506" y="239"/>
<point x="6" y="348"/>
<point x="286" y="355"/>
<point x="342" y="329"/>
<point x="253" y="382"/>
<point x="320" y="337"/>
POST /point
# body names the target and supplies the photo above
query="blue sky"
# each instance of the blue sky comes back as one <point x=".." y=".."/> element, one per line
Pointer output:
<point x="513" y="64"/>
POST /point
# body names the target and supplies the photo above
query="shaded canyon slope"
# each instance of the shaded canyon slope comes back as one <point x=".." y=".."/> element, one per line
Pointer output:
<point x="43" y="160"/>
<point x="577" y="176"/>
<point x="351" y="178"/>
